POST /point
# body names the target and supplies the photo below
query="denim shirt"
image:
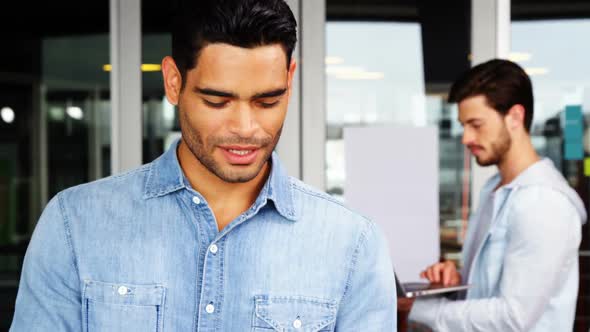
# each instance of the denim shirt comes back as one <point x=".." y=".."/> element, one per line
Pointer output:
<point x="524" y="274"/>
<point x="141" y="251"/>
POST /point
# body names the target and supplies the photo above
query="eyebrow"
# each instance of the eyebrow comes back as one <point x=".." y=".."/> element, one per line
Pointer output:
<point x="270" y="94"/>
<point x="218" y="93"/>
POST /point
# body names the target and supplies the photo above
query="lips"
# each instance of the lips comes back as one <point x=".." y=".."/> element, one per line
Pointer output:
<point x="240" y="155"/>
<point x="475" y="150"/>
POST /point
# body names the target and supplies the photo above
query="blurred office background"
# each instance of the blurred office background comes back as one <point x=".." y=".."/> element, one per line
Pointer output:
<point x="81" y="97"/>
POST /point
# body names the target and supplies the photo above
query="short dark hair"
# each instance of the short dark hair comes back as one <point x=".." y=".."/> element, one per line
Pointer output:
<point x="502" y="82"/>
<point x="242" y="23"/>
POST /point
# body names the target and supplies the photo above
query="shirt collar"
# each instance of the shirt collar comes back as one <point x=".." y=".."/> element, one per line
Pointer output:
<point x="278" y="189"/>
<point x="535" y="174"/>
<point x="166" y="176"/>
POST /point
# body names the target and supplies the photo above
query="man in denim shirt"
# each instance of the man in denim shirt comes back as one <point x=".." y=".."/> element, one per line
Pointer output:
<point x="521" y="249"/>
<point x="213" y="235"/>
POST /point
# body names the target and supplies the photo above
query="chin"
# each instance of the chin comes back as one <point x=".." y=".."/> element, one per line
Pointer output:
<point x="241" y="178"/>
<point x="242" y="173"/>
<point x="485" y="162"/>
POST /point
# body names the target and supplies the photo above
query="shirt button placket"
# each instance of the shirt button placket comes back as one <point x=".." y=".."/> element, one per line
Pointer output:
<point x="211" y="288"/>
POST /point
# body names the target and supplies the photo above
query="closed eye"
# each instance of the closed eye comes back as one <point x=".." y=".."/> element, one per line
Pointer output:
<point x="268" y="105"/>
<point x="475" y="124"/>
<point x="215" y="105"/>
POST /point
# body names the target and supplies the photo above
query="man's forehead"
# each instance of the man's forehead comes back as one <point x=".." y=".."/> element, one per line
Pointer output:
<point x="246" y="73"/>
<point x="478" y="115"/>
<point x="467" y="115"/>
<point x="227" y="54"/>
<point x="227" y="62"/>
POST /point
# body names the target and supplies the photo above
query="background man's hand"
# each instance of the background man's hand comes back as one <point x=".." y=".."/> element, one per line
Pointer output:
<point x="445" y="273"/>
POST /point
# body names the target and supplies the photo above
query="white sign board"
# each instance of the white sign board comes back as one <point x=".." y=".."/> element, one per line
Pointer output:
<point x="392" y="178"/>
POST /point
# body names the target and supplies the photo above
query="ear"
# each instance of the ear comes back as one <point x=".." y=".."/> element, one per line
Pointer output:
<point x="515" y="117"/>
<point x="290" y="74"/>
<point x="172" y="80"/>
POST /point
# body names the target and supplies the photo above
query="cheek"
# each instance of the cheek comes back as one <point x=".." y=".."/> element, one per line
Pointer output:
<point x="492" y="137"/>
<point x="272" y="121"/>
<point x="484" y="135"/>
<point x="201" y="125"/>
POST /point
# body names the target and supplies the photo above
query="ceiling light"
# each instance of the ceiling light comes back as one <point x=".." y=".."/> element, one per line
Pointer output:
<point x="337" y="70"/>
<point x="144" y="67"/>
<point x="519" y="56"/>
<point x="7" y="114"/>
<point x="75" y="112"/>
<point x="333" y="60"/>
<point x="536" y="71"/>
<point x="151" y="67"/>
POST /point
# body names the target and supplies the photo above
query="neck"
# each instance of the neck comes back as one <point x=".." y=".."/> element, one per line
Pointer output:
<point x="519" y="157"/>
<point x="226" y="200"/>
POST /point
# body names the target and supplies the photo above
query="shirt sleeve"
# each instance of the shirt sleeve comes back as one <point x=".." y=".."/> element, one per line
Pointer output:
<point x="369" y="302"/>
<point x="542" y="247"/>
<point x="49" y="292"/>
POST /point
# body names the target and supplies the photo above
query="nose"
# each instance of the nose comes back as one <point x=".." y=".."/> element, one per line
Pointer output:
<point x="243" y="122"/>
<point x="467" y="137"/>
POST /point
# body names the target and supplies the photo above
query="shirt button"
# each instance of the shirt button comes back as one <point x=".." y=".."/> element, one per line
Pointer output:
<point x="196" y="200"/>
<point x="297" y="323"/>
<point x="210" y="308"/>
<point x="213" y="248"/>
<point x="122" y="290"/>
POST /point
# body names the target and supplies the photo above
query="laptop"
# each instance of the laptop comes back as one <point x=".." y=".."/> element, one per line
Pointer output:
<point x="415" y="289"/>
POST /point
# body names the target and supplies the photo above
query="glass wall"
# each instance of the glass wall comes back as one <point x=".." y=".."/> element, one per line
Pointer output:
<point x="392" y="65"/>
<point x="160" y="121"/>
<point x="75" y="100"/>
<point x="54" y="117"/>
<point x="370" y="82"/>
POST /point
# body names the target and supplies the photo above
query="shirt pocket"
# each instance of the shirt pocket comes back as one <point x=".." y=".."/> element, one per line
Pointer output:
<point x="293" y="313"/>
<point x="123" y="307"/>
